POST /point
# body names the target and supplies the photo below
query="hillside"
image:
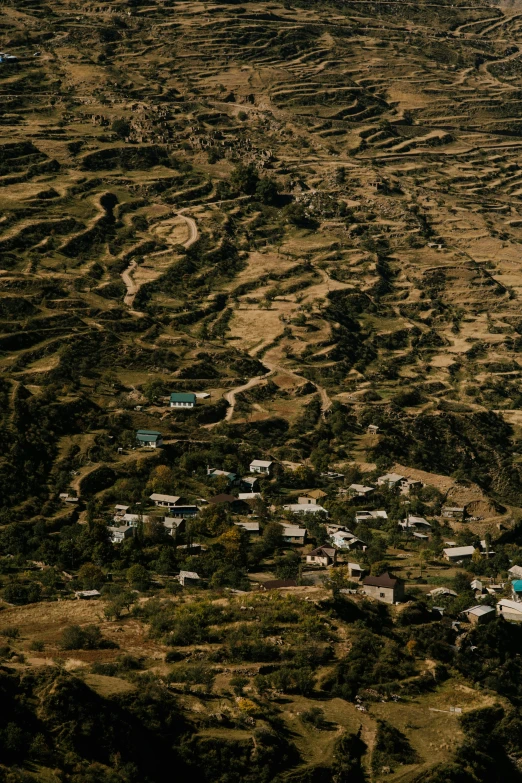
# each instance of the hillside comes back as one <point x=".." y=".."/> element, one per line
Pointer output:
<point x="309" y="216"/>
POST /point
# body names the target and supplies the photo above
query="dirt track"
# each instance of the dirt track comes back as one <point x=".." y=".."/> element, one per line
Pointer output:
<point x="131" y="285"/>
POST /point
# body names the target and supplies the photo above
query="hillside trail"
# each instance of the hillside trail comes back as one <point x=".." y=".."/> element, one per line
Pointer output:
<point x="230" y="396"/>
<point x="484" y="70"/>
<point x="132" y="286"/>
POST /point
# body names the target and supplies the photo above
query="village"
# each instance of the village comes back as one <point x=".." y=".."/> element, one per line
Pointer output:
<point x="314" y="528"/>
<point x="260" y="364"/>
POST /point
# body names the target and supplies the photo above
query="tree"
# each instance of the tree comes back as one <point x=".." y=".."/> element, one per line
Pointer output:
<point x="91" y="577"/>
<point x="138" y="577"/>
<point x="245" y="178"/>
<point x="273" y="536"/>
<point x="121" y="128"/>
<point x="287" y="567"/>
<point x="337" y="580"/>
<point x="267" y="190"/>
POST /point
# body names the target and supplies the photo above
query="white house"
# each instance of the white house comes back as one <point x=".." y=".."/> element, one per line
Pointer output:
<point x="323" y="556"/>
<point x="438" y="591"/>
<point x="150" y="439"/>
<point x="515" y="572"/>
<point x="86" y="595"/>
<point x="119" y="534"/>
<point x="300" y="508"/>
<point x="510" y="610"/>
<point x="182" y="400"/>
<point x="261" y="466"/>
<point x="248" y="495"/>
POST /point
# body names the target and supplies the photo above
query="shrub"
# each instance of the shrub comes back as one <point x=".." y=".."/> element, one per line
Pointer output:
<point x="11" y="632"/>
<point x="314" y="717"/>
<point x="89" y="638"/>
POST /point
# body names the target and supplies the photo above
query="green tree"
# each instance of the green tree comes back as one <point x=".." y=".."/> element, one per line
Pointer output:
<point x="138" y="577"/>
<point x="245" y="179"/>
<point x="91" y="577"/>
<point x="267" y="190"/>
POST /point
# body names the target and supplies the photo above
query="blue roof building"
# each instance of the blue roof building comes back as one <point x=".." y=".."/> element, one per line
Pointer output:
<point x="179" y="400"/>
<point x="150" y="438"/>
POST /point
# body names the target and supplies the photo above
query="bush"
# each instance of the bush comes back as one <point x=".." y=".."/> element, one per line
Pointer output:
<point x="89" y="638"/>
<point x="11" y="632"/>
<point x="314" y="717"/>
<point x="391" y="747"/>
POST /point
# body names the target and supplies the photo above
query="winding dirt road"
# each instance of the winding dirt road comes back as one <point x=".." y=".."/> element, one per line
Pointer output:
<point x="131" y="285"/>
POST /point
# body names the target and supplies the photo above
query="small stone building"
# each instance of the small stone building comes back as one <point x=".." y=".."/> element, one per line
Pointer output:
<point x="385" y="587"/>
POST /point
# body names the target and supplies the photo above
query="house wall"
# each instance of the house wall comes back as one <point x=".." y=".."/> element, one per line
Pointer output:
<point x="317" y="560"/>
<point x="181" y="404"/>
<point x="385" y="594"/>
<point x="514" y="617"/>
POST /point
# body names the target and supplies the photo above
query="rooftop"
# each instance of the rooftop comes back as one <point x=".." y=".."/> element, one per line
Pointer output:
<point x="384" y="580"/>
<point x="165" y="498"/>
<point x="180" y="397"/>
<point x="480" y="610"/>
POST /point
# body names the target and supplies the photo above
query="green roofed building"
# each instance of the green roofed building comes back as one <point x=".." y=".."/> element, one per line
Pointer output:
<point x="182" y="400"/>
<point x="150" y="438"/>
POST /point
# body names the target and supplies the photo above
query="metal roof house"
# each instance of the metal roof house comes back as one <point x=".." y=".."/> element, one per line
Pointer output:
<point x="292" y="534"/>
<point x="343" y="539"/>
<point x="188" y="578"/>
<point x="166" y="501"/>
<point x="252" y="528"/>
<point x="390" y="480"/>
<point x="261" y="466"/>
<point x="216" y="473"/>
<point x="510" y="610"/>
<point x="477" y="615"/>
<point x="516" y="587"/>
<point x="178" y="400"/>
<point x="456" y="553"/>
<point x="414" y="523"/>
<point x="149" y="438"/>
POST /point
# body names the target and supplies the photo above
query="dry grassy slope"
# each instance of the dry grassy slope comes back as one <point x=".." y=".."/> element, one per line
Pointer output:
<point x="424" y="718"/>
